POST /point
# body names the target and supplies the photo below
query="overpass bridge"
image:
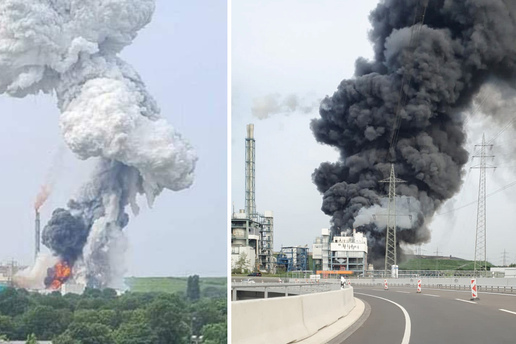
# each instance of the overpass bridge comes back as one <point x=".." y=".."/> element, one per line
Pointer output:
<point x="442" y="313"/>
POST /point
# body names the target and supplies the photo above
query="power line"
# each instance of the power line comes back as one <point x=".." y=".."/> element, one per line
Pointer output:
<point x="504" y="128"/>
<point x="474" y="202"/>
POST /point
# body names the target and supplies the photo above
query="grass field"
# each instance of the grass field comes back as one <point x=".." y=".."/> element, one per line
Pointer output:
<point x="210" y="286"/>
<point x="438" y="264"/>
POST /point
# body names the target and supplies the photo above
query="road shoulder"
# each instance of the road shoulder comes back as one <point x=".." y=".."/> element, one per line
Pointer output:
<point x="342" y="328"/>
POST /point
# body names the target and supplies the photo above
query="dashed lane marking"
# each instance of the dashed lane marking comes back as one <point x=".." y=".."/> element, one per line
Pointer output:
<point x="466" y="301"/>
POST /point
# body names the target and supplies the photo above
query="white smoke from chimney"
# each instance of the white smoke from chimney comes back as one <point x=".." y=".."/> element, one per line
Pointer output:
<point x="274" y="103"/>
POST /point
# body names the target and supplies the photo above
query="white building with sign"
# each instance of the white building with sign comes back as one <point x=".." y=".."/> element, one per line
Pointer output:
<point x="340" y="253"/>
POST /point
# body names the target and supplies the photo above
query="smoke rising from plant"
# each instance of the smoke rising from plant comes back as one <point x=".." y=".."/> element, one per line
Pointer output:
<point x="274" y="103"/>
<point x="34" y="277"/>
<point x="461" y="46"/>
<point x="70" y="48"/>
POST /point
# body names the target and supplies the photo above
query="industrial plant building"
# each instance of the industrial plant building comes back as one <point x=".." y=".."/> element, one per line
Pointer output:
<point x="251" y="239"/>
<point x="293" y="258"/>
<point x="252" y="233"/>
<point x="344" y="253"/>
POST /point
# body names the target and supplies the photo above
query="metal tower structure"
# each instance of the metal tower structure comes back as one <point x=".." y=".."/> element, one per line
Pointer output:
<point x="480" y="238"/>
<point x="267" y="241"/>
<point x="504" y="258"/>
<point x="250" y="204"/>
<point x="37" y="235"/>
<point x="390" y="238"/>
<point x="259" y="225"/>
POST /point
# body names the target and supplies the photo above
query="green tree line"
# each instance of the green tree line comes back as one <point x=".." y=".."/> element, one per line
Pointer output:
<point x="102" y="317"/>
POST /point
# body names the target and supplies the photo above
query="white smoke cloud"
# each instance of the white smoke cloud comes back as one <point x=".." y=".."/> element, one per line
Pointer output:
<point x="105" y="119"/>
<point x="33" y="277"/>
<point x="407" y="209"/>
<point x="274" y="103"/>
<point x="69" y="48"/>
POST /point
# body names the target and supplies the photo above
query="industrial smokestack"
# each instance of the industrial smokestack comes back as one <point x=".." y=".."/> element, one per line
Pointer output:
<point x="37" y="236"/>
<point x="250" y="204"/>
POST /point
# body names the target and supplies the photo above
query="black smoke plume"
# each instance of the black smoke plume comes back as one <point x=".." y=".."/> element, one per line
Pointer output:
<point x="65" y="235"/>
<point x="69" y="232"/>
<point x="462" y="45"/>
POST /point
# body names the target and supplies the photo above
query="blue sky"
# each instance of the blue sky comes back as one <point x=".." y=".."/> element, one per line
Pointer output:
<point x="181" y="56"/>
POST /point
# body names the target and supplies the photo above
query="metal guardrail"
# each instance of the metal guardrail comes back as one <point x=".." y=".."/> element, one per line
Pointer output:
<point x="431" y="274"/>
<point x="481" y="288"/>
<point x="304" y="275"/>
<point x="286" y="288"/>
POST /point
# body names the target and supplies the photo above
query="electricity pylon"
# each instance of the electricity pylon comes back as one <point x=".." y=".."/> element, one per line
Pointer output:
<point x="480" y="238"/>
<point x="390" y="237"/>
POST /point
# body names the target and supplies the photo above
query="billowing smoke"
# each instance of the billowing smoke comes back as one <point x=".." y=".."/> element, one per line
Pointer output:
<point x="65" y="235"/>
<point x="34" y="277"/>
<point x="461" y="46"/>
<point x="377" y="214"/>
<point x="70" y="48"/>
<point x="274" y="103"/>
<point x="496" y="101"/>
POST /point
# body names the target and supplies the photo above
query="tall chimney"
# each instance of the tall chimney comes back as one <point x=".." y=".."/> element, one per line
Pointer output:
<point x="250" y="205"/>
<point x="37" y="236"/>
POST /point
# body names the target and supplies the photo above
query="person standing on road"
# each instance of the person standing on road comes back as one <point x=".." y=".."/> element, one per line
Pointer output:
<point x="342" y="282"/>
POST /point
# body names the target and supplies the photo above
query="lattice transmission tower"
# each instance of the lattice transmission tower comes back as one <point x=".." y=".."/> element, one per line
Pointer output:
<point x="390" y="237"/>
<point x="481" y="236"/>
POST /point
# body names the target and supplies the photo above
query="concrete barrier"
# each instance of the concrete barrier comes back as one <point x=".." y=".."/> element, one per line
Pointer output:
<point x="287" y="319"/>
<point x="322" y="309"/>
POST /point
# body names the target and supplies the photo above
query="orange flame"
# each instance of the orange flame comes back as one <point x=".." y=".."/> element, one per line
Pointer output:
<point x="62" y="272"/>
<point x="42" y="196"/>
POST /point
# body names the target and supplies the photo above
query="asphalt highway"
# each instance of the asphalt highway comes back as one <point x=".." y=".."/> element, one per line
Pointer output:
<point x="400" y="315"/>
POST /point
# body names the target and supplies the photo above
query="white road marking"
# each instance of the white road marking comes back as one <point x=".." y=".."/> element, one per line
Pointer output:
<point x="456" y="290"/>
<point x="504" y="310"/>
<point x="408" y="324"/>
<point x="466" y="301"/>
<point x="404" y="292"/>
<point x="431" y="295"/>
<point x="469" y="292"/>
